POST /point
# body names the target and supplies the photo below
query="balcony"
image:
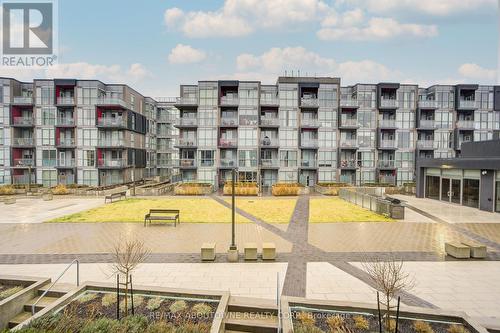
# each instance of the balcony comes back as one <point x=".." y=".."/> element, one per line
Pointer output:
<point x="23" y="162"/>
<point x="269" y="101"/>
<point x="425" y="144"/>
<point x="112" y="102"/>
<point x="387" y="123"/>
<point x="112" y="163"/>
<point x="348" y="143"/>
<point x="65" y="101"/>
<point x="348" y="164"/>
<point x="187" y="163"/>
<point x="349" y="103"/>
<point x="23" y="121"/>
<point x="22" y="100"/>
<point x="165" y="147"/>
<point x="187" y="101"/>
<point x="65" y="121"/>
<point x="164" y="134"/>
<point x="227" y="163"/>
<point x="466" y="104"/>
<point x="112" y="122"/>
<point x="269" y="163"/>
<point x="308" y="164"/>
<point x="430" y="104"/>
<point x="269" y="122"/>
<point x="66" y="142"/>
<point x="229" y="100"/>
<point x="186" y="143"/>
<point x="228" y="143"/>
<point x="229" y="122"/>
<point x="388" y="103"/>
<point x="386" y="164"/>
<point x="309" y="122"/>
<point x="23" y="142"/>
<point x="349" y="122"/>
<point x="387" y="179"/>
<point x="309" y="102"/>
<point x="104" y="142"/>
<point x="66" y="163"/>
<point x="269" y="142"/>
<point x="186" y="122"/>
<point x="427" y="123"/>
<point x="465" y="124"/>
<point x="247" y="120"/>
<point x="388" y="144"/>
<point x="309" y="144"/>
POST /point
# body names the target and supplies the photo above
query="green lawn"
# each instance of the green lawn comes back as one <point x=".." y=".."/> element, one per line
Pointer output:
<point x="269" y="210"/>
<point x="324" y="210"/>
<point x="192" y="210"/>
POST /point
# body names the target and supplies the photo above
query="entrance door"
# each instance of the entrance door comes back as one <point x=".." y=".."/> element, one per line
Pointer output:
<point x="62" y="158"/>
<point x="450" y="190"/>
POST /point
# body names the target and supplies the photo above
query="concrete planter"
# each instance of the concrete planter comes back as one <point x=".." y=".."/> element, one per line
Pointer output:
<point x="186" y="189"/>
<point x="9" y="201"/>
<point x="47" y="196"/>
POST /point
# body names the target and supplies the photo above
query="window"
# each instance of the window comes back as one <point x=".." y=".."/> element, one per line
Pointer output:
<point x="405" y="120"/>
<point x="366" y="138"/>
<point x="87" y="137"/>
<point x="404" y="177"/>
<point x="208" y="94"/>
<point x="247" y="137"/>
<point x="405" y="139"/>
<point x="45" y="95"/>
<point x="404" y="160"/>
<point x="287" y="176"/>
<point x="132" y="103"/>
<point x="482" y="136"/>
<point x="89" y="177"/>
<point x="88" y="158"/>
<point x="207" y="137"/>
<point x="483" y="120"/>
<point x="367" y="177"/>
<point x="327" y="159"/>
<point x="367" y="119"/>
<point x="327" y="176"/>
<point x="443" y="119"/>
<point x="288" y="118"/>
<point x="327" y="139"/>
<point x="327" y="117"/>
<point x="247" y="158"/>
<point x="248" y="94"/>
<point x="2" y="138"/>
<point x="206" y="176"/>
<point x="86" y="95"/>
<point x="49" y="158"/>
<point x="207" y="158"/>
<point x="288" y="95"/>
<point x="86" y="116"/>
<point x="327" y="95"/>
<point x="48" y="116"/>
<point x="47" y="136"/>
<point x="470" y="190"/>
<point x="207" y="116"/>
<point x="366" y="159"/>
<point x="248" y="117"/>
<point x="4" y="155"/>
<point x="288" y="137"/>
<point x="288" y="158"/>
<point x="49" y="178"/>
<point x="443" y="140"/>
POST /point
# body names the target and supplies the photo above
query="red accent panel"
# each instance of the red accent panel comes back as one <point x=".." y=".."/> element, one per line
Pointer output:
<point x="17" y="153"/>
<point x="58" y="91"/>
<point x="16" y="112"/>
<point x="58" y="134"/>
<point x="99" y="154"/>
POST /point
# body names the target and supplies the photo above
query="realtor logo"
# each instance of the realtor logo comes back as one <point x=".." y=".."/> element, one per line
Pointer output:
<point x="28" y="32"/>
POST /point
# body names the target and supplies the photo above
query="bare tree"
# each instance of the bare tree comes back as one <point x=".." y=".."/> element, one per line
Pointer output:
<point x="389" y="278"/>
<point x="127" y="255"/>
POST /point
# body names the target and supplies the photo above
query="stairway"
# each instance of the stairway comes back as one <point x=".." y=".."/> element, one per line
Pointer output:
<point x="57" y="291"/>
<point x="251" y="315"/>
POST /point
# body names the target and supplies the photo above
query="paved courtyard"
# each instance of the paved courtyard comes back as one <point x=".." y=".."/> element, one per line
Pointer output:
<point x="316" y="260"/>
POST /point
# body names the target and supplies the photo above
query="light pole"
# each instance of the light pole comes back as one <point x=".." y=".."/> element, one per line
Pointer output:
<point x="232" y="253"/>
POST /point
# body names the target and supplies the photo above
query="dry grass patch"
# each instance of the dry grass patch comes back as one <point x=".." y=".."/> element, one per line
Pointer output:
<point x="324" y="210"/>
<point x="268" y="209"/>
<point x="192" y="210"/>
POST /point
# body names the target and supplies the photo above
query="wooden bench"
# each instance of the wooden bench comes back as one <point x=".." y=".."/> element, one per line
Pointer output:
<point x="268" y="251"/>
<point x="208" y="252"/>
<point x="250" y="251"/>
<point x="116" y="195"/>
<point x="457" y="250"/>
<point x="163" y="215"/>
<point x="477" y="250"/>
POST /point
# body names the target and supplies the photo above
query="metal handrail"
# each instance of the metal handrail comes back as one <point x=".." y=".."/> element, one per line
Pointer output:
<point x="53" y="283"/>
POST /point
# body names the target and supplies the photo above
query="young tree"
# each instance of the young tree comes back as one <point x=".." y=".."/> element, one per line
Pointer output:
<point x="390" y="279"/>
<point x="127" y="255"/>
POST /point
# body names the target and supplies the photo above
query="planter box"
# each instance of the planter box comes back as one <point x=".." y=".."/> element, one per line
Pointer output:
<point x="289" y="190"/>
<point x="9" y="200"/>
<point x="193" y="189"/>
<point x="241" y="190"/>
<point x="47" y="196"/>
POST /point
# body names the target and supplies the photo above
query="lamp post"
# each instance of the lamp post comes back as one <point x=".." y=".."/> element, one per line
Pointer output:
<point x="232" y="253"/>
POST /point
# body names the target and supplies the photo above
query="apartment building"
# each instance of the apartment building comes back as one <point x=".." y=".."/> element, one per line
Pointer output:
<point x="65" y="131"/>
<point x="308" y="129"/>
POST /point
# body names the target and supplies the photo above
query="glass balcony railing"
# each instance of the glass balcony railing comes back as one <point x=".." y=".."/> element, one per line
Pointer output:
<point x="425" y="144"/>
<point x="427" y="123"/>
<point x="384" y="143"/>
<point x="465" y="124"/>
<point x="115" y="101"/>
<point x="187" y="162"/>
<point x="387" y="179"/>
<point x="227" y="163"/>
<point x="228" y="142"/>
<point x="348" y="163"/>
<point x="387" y="123"/>
<point x="388" y="103"/>
<point x="270" y="162"/>
<point x="348" y="142"/>
<point x="349" y="103"/>
<point x="349" y="122"/>
<point x="111" y="122"/>
<point x="310" y="122"/>
<point x="308" y="164"/>
<point x="269" y="100"/>
<point x="246" y="120"/>
<point x="22" y="100"/>
<point x="164" y="134"/>
<point x="186" y="142"/>
<point x="225" y="121"/>
<point x="66" y="100"/>
<point x="309" y="143"/>
<point x="467" y="104"/>
<point x="23" y="141"/>
<point x="24" y="162"/>
<point x="386" y="163"/>
<point x="66" y="142"/>
<point x="68" y="162"/>
<point x="188" y="100"/>
<point x="272" y="142"/>
<point x="268" y="121"/>
<point x="23" y="121"/>
<point x="309" y="102"/>
<point x="187" y="121"/>
<point x="66" y="121"/>
<point x="229" y="100"/>
<point x="112" y="163"/>
<point x="104" y="142"/>
<point x="428" y="104"/>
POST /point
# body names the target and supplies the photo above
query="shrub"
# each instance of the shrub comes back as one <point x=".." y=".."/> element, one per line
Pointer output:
<point x="361" y="323"/>
<point x="282" y="189"/>
<point x="9" y="292"/>
<point x="457" y="329"/>
<point x="335" y="322"/>
<point x="160" y="327"/>
<point x="108" y="300"/>
<point x="192" y="189"/>
<point x="306" y="329"/>
<point x="241" y="188"/>
<point x="154" y="304"/>
<point x="87" y="297"/>
<point x="59" y="190"/>
<point x="102" y="325"/>
<point x="134" y="324"/>
<point x="7" y="190"/>
<point x="422" y="327"/>
<point x="202" y="309"/>
<point x="178" y="306"/>
<point x="137" y="301"/>
<point x="306" y="318"/>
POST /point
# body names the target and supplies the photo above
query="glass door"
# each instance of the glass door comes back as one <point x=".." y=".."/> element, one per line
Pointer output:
<point x="445" y="189"/>
<point x="455" y="190"/>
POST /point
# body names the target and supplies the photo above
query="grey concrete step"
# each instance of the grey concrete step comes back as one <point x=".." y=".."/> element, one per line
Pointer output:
<point x="19" y="319"/>
<point x="251" y="322"/>
<point x="58" y="290"/>
<point x="44" y="302"/>
<point x="252" y="305"/>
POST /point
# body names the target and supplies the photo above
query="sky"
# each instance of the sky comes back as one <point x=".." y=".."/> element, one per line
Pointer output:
<point x="154" y="46"/>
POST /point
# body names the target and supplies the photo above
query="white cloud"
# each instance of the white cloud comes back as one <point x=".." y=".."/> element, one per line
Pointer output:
<point x="80" y="70"/>
<point x="376" y="29"/>
<point x="476" y="72"/>
<point x="428" y="7"/>
<point x="275" y="61"/>
<point x="185" y="54"/>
